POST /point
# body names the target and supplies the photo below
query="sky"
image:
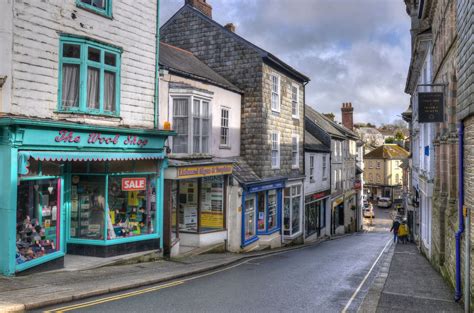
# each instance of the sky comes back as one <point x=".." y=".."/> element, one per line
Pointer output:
<point x="354" y="51"/>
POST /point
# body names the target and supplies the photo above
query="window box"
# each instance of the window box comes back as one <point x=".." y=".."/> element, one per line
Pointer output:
<point x="89" y="77"/>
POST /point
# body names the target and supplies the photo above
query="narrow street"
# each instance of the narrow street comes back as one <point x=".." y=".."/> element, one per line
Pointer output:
<point x="324" y="276"/>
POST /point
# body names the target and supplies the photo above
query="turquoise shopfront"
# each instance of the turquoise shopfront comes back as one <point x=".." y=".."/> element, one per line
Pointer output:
<point x="69" y="188"/>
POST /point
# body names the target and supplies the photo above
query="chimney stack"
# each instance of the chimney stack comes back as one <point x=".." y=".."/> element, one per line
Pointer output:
<point x="230" y="27"/>
<point x="200" y="5"/>
<point x="347" y="112"/>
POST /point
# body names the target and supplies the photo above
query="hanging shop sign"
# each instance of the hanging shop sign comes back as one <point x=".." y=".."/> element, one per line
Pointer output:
<point x="133" y="183"/>
<point x="430" y="107"/>
<point x="357" y="184"/>
<point x="201" y="171"/>
<point x="317" y="196"/>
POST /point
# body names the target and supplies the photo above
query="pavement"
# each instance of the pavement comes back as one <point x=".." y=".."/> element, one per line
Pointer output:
<point x="21" y="293"/>
<point x="407" y="282"/>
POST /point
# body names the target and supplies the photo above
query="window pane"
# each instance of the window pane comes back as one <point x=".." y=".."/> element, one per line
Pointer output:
<point x="131" y="206"/>
<point x="110" y="59"/>
<point x="286" y="212"/>
<point x="71" y="51"/>
<point x="94" y="54"/>
<point x="212" y="203"/>
<point x="196" y="135"/>
<point x="70" y="86"/>
<point x="272" y="209"/>
<point x="37" y="222"/>
<point x="88" y="207"/>
<point x="261" y="210"/>
<point x="93" y="87"/>
<point x="109" y="91"/>
<point x="295" y="214"/>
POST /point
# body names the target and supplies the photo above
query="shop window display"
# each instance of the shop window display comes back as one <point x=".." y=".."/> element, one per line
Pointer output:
<point x="212" y="203"/>
<point x="38" y="218"/>
<point x="272" y="209"/>
<point x="292" y="210"/>
<point x="188" y="205"/>
<point x="261" y="211"/>
<point x="249" y="218"/>
<point x="312" y="212"/>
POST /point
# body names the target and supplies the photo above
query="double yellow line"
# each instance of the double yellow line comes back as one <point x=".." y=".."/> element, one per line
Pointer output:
<point x="113" y="298"/>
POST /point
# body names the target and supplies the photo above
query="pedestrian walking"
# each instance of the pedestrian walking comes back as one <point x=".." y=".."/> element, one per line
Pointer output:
<point x="403" y="232"/>
<point x="395" y="227"/>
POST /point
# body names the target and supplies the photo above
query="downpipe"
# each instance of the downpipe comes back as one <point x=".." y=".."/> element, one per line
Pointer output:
<point x="457" y="295"/>
<point x="467" y="261"/>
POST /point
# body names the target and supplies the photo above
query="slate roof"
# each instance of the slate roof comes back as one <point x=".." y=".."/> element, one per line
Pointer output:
<point x="323" y="122"/>
<point x="311" y="143"/>
<point x="184" y="63"/>
<point x="243" y="172"/>
<point x="265" y="55"/>
<point x="388" y="151"/>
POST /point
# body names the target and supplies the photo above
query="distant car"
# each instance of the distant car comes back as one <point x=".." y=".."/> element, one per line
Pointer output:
<point x="368" y="212"/>
<point x="366" y="203"/>
<point x="384" y="203"/>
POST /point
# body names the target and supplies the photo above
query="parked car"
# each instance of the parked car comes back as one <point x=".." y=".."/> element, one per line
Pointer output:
<point x="384" y="203"/>
<point x="368" y="211"/>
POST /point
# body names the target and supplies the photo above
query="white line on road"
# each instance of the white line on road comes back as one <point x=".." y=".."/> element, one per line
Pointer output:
<point x="365" y="278"/>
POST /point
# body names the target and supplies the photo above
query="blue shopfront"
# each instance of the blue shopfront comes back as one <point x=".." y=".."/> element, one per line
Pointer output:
<point x="261" y="210"/>
<point x="70" y="188"/>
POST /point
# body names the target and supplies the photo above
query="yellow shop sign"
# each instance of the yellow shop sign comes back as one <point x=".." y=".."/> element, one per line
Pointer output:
<point x="199" y="171"/>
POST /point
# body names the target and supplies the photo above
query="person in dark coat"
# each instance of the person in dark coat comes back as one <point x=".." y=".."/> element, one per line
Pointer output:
<point x="395" y="227"/>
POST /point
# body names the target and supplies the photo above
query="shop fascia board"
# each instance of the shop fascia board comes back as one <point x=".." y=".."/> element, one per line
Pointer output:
<point x="11" y="121"/>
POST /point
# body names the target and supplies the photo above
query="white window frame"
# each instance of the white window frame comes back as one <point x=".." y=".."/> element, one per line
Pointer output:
<point x="297" y="102"/>
<point x="272" y="141"/>
<point x="275" y="106"/>
<point x="191" y="98"/>
<point x="226" y="144"/>
<point x="291" y="196"/>
<point x="324" y="160"/>
<point x="311" y="168"/>
<point x="297" y="158"/>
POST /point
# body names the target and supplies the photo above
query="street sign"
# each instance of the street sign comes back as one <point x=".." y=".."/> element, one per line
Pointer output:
<point x="430" y="107"/>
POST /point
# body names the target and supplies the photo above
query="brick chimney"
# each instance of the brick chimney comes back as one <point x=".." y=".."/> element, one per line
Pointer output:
<point x="230" y="27"/>
<point x="347" y="112"/>
<point x="200" y="5"/>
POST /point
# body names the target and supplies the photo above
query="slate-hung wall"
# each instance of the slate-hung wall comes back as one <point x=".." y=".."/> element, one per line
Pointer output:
<point x="238" y="62"/>
<point x="36" y="36"/>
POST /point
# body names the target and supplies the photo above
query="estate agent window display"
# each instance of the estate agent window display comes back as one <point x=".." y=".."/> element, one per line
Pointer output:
<point x="118" y="204"/>
<point x="198" y="205"/>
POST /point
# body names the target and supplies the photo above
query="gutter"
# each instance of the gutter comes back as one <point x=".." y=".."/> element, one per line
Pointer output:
<point x="157" y="67"/>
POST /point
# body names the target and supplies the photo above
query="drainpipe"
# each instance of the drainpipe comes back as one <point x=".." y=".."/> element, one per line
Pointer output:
<point x="157" y="67"/>
<point x="457" y="295"/>
<point x="467" y="262"/>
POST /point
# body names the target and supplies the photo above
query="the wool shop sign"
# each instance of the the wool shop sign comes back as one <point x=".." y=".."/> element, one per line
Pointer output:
<point x="430" y="107"/>
<point x="69" y="137"/>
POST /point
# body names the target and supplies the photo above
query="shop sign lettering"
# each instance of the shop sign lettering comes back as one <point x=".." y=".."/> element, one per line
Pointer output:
<point x="318" y="195"/>
<point x="133" y="184"/>
<point x="68" y="136"/>
<point x="198" y="171"/>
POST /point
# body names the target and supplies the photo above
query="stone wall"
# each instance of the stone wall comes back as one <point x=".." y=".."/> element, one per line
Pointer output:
<point x="237" y="60"/>
<point x="37" y="26"/>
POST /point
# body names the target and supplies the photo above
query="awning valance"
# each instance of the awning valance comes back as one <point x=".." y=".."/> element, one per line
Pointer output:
<point x="23" y="157"/>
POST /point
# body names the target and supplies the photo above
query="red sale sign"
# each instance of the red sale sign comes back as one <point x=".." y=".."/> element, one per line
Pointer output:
<point x="133" y="184"/>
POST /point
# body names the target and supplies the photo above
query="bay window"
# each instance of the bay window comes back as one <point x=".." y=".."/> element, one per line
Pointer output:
<point x="292" y="210"/>
<point x="89" y="77"/>
<point x="192" y="124"/>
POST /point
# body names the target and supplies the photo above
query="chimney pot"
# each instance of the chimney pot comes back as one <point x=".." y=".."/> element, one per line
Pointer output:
<point x="347" y="112"/>
<point x="230" y="27"/>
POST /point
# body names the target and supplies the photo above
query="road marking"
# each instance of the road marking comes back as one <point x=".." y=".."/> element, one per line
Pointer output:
<point x="365" y="278"/>
<point x="113" y="298"/>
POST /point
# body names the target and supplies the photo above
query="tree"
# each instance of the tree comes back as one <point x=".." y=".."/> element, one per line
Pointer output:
<point x="399" y="136"/>
<point x="390" y="140"/>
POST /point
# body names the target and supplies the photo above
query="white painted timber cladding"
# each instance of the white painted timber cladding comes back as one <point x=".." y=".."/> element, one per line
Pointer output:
<point x="37" y="26"/>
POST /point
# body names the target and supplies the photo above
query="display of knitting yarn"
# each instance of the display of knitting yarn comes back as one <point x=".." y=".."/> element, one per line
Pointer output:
<point x="31" y="241"/>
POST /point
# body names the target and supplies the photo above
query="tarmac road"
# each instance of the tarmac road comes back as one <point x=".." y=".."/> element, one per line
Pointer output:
<point x="327" y="277"/>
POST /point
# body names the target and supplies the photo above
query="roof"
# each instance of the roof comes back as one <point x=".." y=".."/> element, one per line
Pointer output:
<point x="185" y="63"/>
<point x="265" y="55"/>
<point x="388" y="151"/>
<point x="243" y="172"/>
<point x="311" y="143"/>
<point x="323" y="122"/>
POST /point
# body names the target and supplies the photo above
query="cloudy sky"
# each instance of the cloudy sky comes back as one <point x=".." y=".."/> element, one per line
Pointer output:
<point x="353" y="50"/>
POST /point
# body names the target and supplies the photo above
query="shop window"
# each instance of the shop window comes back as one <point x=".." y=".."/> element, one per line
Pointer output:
<point x="132" y="206"/>
<point x="147" y="166"/>
<point x="38" y="218"/>
<point x="193" y="130"/>
<point x="102" y="7"/>
<point x="292" y="211"/>
<point x="43" y="168"/>
<point x="267" y="211"/>
<point x="272" y="210"/>
<point x="79" y="167"/>
<point x="211" y="216"/>
<point x="262" y="219"/>
<point x="121" y="166"/>
<point x="89" y="77"/>
<point x="97" y="167"/>
<point x="188" y="205"/>
<point x="315" y="217"/>
<point x="174" y="210"/>
<point x="249" y="222"/>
